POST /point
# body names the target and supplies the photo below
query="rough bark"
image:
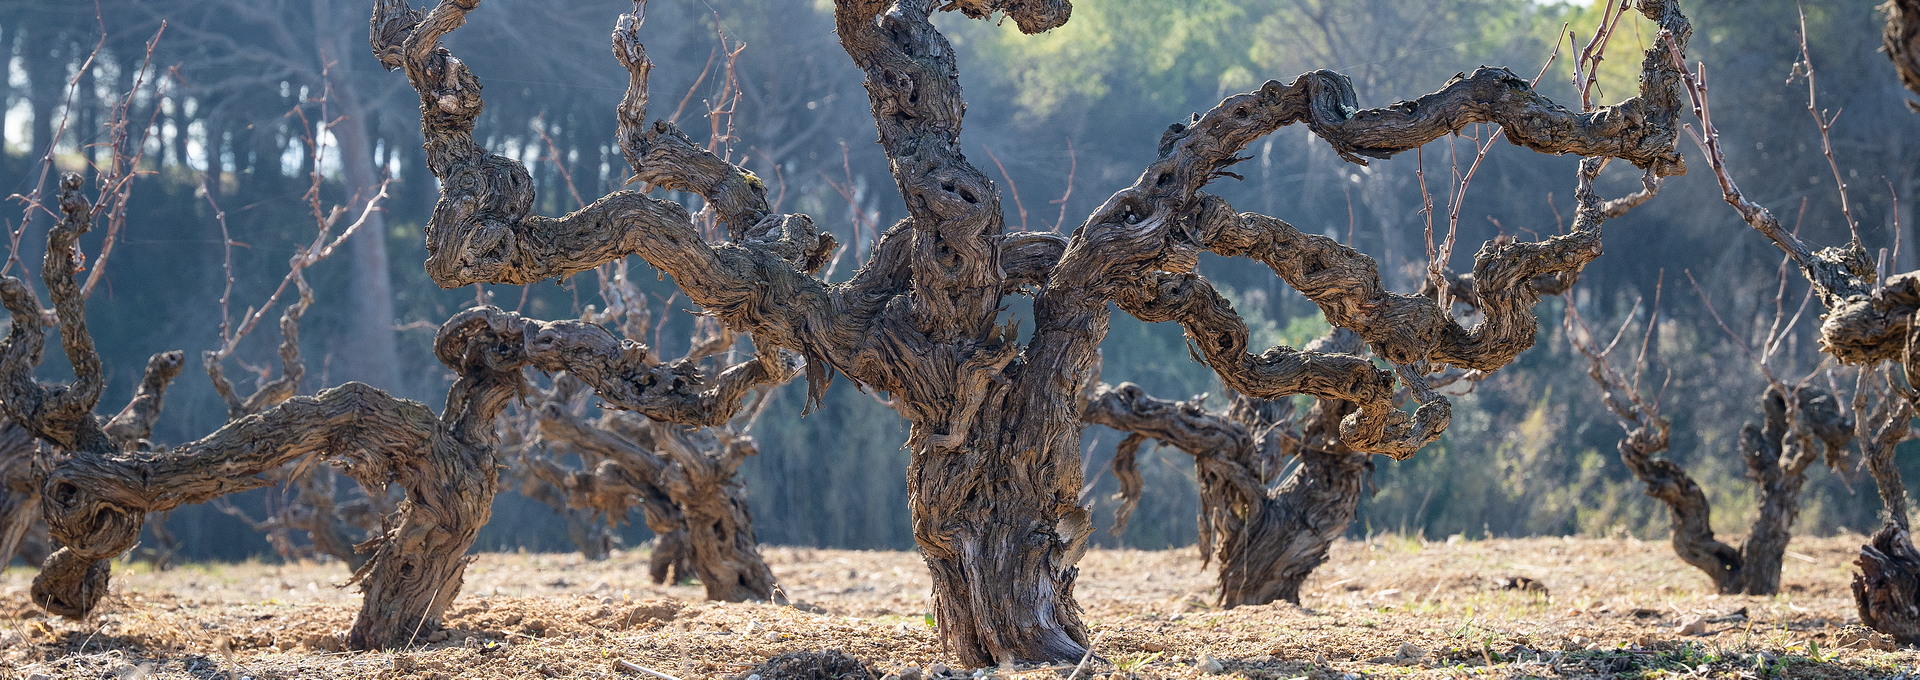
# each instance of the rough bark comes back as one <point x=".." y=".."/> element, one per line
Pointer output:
<point x="1887" y="588"/>
<point x="103" y="481"/>
<point x="1777" y="453"/>
<point x="921" y="320"/>
<point x="685" y="479"/>
<point x="19" y="489"/>
<point x="1901" y="41"/>
<point x="1266" y="539"/>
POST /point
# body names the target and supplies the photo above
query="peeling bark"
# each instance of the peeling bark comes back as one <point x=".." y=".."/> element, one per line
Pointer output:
<point x="922" y="322"/>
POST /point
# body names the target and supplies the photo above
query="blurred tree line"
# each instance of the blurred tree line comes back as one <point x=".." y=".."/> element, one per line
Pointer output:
<point x="237" y="89"/>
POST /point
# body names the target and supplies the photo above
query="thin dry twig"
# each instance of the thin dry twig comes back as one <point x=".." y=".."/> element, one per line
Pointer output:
<point x="637" y="668"/>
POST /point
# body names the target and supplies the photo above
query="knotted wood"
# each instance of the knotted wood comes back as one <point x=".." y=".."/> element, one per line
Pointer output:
<point x="1265" y="538"/>
<point x="922" y="318"/>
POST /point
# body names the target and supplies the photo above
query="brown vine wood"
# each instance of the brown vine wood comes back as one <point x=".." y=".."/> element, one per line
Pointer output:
<point x="1265" y="538"/>
<point x="1901" y="42"/>
<point x="922" y="318"/>
<point x="685" y="481"/>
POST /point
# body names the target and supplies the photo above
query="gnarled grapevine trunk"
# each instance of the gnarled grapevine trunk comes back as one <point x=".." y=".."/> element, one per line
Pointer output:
<point x="106" y="478"/>
<point x="1790" y="438"/>
<point x="684" y="479"/>
<point x="994" y="476"/>
<point x="1887" y="588"/>
<point x="1265" y="538"/>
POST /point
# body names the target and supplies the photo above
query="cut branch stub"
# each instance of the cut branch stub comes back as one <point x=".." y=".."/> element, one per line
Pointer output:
<point x="133" y="424"/>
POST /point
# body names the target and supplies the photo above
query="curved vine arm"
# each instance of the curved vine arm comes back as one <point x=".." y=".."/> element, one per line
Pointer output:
<point x="61" y="414"/>
<point x="483" y="229"/>
<point x="1221" y="336"/>
<point x="914" y="92"/>
<point x="625" y="374"/>
<point x="1223" y="446"/>
<point x="134" y="424"/>
<point x="1138" y="248"/>
<point x="94" y="504"/>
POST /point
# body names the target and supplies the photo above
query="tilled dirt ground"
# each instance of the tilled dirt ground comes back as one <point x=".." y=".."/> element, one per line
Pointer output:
<point x="1385" y="608"/>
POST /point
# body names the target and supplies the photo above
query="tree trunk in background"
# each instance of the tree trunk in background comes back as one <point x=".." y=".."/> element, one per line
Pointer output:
<point x="372" y="352"/>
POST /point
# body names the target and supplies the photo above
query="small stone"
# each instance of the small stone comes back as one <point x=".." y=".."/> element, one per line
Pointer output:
<point x="911" y="673"/>
<point x="325" y="642"/>
<point x="937" y="670"/>
<point x="39" y="676"/>
<point x="1151" y="646"/>
<point x="1208" y="665"/>
<point x="1861" y="637"/>
<point x="1698" y="626"/>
